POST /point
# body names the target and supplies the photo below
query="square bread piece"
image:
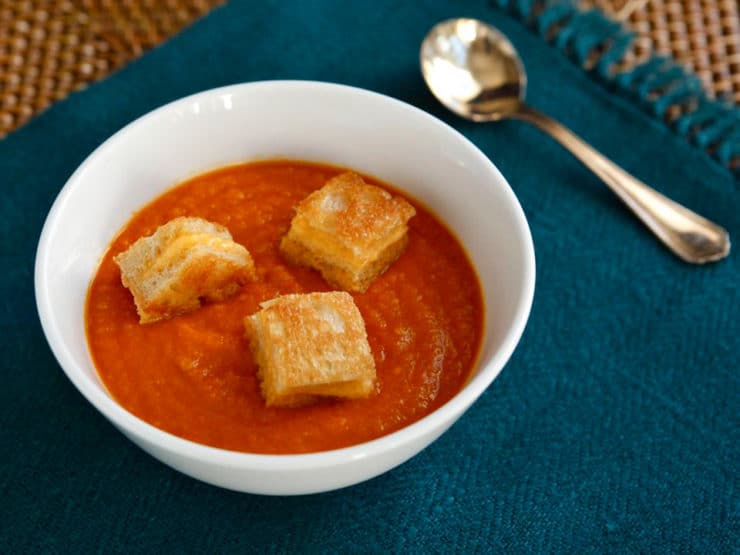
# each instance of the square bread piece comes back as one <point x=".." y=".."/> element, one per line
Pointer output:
<point x="349" y="231"/>
<point x="309" y="346"/>
<point x="184" y="261"/>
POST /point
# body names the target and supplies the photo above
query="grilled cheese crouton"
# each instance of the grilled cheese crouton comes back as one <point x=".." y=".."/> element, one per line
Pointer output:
<point x="184" y="261"/>
<point x="349" y="231"/>
<point x="309" y="346"/>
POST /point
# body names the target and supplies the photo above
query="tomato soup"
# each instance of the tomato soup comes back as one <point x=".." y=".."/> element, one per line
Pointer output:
<point x="194" y="376"/>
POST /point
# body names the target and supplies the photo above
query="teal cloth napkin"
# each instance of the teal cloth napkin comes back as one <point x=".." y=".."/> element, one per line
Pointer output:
<point x="614" y="428"/>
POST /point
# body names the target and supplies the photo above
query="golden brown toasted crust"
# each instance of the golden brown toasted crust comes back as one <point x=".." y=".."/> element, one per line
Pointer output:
<point x="337" y="276"/>
<point x="348" y="230"/>
<point x="182" y="262"/>
<point x="309" y="346"/>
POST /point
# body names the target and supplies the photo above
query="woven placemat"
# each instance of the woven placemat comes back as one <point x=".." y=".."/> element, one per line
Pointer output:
<point x="49" y="48"/>
<point x="702" y="34"/>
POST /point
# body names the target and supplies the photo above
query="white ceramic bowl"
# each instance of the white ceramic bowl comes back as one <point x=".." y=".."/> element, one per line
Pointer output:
<point x="322" y="122"/>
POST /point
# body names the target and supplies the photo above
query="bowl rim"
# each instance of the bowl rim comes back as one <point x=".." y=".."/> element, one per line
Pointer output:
<point x="131" y="424"/>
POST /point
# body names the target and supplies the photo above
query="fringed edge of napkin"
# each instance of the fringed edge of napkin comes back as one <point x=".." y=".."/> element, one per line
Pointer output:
<point x="663" y="88"/>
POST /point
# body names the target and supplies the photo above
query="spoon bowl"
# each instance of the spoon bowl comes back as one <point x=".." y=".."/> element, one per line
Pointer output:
<point x="475" y="71"/>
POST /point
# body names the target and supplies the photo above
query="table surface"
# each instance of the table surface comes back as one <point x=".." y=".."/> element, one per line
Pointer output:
<point x="49" y="48"/>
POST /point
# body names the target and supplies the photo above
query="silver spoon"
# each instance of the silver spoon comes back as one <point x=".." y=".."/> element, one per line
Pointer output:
<point x="474" y="71"/>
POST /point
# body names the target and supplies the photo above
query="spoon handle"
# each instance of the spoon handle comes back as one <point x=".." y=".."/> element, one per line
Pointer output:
<point x="687" y="234"/>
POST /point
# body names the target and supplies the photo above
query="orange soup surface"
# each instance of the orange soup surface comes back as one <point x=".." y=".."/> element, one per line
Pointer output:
<point x="194" y="376"/>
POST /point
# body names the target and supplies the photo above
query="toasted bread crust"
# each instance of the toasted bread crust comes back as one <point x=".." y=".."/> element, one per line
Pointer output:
<point x="349" y="231"/>
<point x="181" y="263"/>
<point x="295" y="253"/>
<point x="309" y="346"/>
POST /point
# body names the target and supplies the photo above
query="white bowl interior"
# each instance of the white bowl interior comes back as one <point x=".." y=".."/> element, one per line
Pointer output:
<point x="299" y="120"/>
